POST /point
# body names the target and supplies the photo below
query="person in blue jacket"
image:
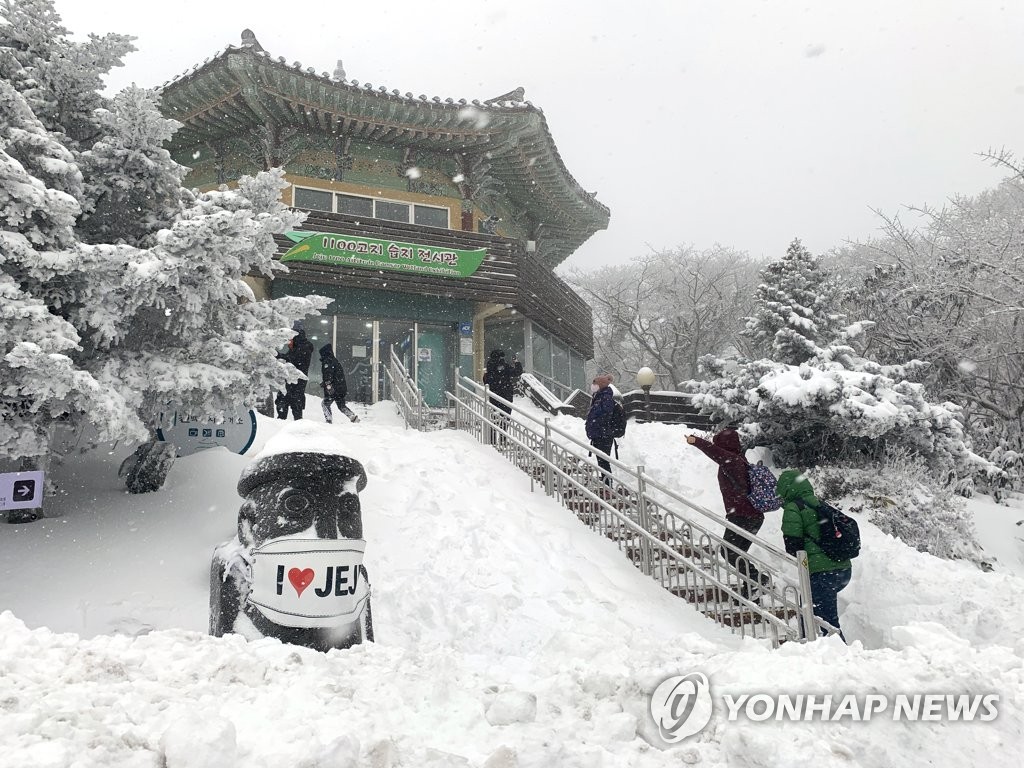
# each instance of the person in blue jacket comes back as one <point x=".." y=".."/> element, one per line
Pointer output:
<point x="599" y="420"/>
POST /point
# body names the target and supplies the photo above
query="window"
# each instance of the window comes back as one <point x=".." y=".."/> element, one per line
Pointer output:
<point x="391" y="211"/>
<point x="427" y="216"/>
<point x="314" y="199"/>
<point x="358" y="205"/>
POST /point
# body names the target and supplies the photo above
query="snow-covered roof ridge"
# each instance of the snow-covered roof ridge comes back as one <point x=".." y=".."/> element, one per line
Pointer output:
<point x="513" y="100"/>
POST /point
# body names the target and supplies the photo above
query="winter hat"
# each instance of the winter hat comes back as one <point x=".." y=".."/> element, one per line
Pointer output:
<point x="298" y="326"/>
<point x="729" y="440"/>
<point x="497" y="354"/>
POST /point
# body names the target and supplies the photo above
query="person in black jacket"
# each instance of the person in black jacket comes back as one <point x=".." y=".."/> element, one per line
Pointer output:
<point x="300" y="351"/>
<point x="500" y="377"/>
<point x="333" y="382"/>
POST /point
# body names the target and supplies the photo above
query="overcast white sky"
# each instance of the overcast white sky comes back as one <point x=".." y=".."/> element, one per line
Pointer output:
<point x="742" y="122"/>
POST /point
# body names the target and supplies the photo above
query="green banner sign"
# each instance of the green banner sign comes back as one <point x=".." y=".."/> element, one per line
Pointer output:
<point x="367" y="253"/>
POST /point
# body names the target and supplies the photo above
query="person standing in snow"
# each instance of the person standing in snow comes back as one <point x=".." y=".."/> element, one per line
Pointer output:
<point x="727" y="452"/>
<point x="599" y="421"/>
<point x="333" y="382"/>
<point x="299" y="354"/>
<point x="800" y="531"/>
<point x="500" y="377"/>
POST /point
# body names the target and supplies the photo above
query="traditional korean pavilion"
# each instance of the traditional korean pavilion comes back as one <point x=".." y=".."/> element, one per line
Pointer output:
<point x="434" y="224"/>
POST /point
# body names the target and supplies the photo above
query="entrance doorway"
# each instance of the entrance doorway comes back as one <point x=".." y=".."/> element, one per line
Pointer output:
<point x="363" y="346"/>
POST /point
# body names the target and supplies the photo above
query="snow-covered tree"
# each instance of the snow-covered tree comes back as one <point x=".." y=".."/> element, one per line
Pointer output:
<point x="666" y="310"/>
<point x="796" y="307"/>
<point x="133" y="186"/>
<point x="140" y="304"/>
<point x="40" y="380"/>
<point x="837" y="407"/>
<point x="193" y="335"/>
<point x="61" y="79"/>
<point x="947" y="285"/>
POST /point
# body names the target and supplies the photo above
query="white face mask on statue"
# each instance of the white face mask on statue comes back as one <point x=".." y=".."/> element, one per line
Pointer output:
<point x="594" y="388"/>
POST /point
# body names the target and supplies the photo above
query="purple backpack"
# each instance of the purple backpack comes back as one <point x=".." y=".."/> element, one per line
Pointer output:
<point x="762" y="485"/>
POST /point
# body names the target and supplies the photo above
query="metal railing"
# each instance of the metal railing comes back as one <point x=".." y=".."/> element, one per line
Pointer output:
<point x="405" y="392"/>
<point x="667" y="536"/>
<point x="409" y="398"/>
<point x="558" y="389"/>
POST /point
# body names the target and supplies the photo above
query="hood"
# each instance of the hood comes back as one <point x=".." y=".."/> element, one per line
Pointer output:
<point x="496" y="354"/>
<point x="326" y="351"/>
<point x="728" y="440"/>
<point x="793" y="484"/>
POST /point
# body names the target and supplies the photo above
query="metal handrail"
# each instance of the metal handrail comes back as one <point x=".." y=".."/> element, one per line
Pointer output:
<point x="412" y="404"/>
<point x="679" y="552"/>
<point x="585" y="449"/>
<point x="548" y="381"/>
<point x="409" y="397"/>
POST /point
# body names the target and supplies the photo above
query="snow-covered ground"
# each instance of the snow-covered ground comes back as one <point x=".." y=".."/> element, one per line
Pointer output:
<point x="492" y="605"/>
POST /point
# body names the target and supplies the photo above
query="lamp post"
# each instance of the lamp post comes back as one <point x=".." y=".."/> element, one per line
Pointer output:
<point x="645" y="378"/>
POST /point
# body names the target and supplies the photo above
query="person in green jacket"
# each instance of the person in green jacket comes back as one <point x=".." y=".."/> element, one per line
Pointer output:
<point x="800" y="531"/>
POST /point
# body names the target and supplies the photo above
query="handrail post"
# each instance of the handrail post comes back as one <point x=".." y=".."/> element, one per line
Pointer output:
<point x="548" y="454"/>
<point x="809" y="629"/>
<point x="488" y="433"/>
<point x="646" y="566"/>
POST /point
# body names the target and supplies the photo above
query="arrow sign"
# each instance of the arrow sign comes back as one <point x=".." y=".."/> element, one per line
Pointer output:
<point x="21" y="490"/>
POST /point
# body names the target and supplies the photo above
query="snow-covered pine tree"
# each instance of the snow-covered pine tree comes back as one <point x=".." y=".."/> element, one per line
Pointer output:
<point x="194" y="337"/>
<point x="133" y="186"/>
<point x="837" y="407"/>
<point x="159" y="314"/>
<point x="39" y="379"/>
<point x="795" y="308"/>
<point x="61" y="79"/>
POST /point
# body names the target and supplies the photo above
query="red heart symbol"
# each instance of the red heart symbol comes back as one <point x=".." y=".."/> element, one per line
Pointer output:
<point x="300" y="579"/>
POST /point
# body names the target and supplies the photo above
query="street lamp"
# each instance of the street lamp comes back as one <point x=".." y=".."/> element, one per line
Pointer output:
<point x="645" y="378"/>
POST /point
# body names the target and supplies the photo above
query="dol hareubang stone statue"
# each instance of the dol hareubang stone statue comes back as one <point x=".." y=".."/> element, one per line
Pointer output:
<point x="295" y="570"/>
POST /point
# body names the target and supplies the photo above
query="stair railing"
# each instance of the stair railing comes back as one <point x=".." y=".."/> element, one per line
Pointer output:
<point x="405" y="392"/>
<point x="667" y="536"/>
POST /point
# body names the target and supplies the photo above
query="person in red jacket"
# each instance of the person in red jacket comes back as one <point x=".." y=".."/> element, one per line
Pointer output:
<point x="726" y="451"/>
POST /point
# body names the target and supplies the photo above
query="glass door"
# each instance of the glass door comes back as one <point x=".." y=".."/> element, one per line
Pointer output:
<point x="402" y="335"/>
<point x="435" y="361"/>
<point x="353" y="347"/>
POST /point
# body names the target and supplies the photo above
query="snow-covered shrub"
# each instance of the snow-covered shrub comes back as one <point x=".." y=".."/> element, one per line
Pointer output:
<point x="814" y="399"/>
<point x="905" y="499"/>
<point x="836" y="407"/>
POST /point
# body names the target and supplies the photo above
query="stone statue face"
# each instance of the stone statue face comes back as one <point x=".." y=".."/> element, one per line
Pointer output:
<point x="293" y="493"/>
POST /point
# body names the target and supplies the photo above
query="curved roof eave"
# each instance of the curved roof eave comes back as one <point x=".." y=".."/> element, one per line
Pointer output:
<point x="514" y="133"/>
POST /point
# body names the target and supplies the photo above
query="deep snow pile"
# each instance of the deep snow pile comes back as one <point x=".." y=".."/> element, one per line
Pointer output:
<point x="508" y="634"/>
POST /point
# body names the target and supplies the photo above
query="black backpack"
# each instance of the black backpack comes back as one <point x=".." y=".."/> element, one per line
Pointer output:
<point x="839" y="534"/>
<point x="617" y="421"/>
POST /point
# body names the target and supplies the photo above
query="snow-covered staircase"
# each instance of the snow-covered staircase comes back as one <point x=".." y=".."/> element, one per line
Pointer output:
<point x="665" y="535"/>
